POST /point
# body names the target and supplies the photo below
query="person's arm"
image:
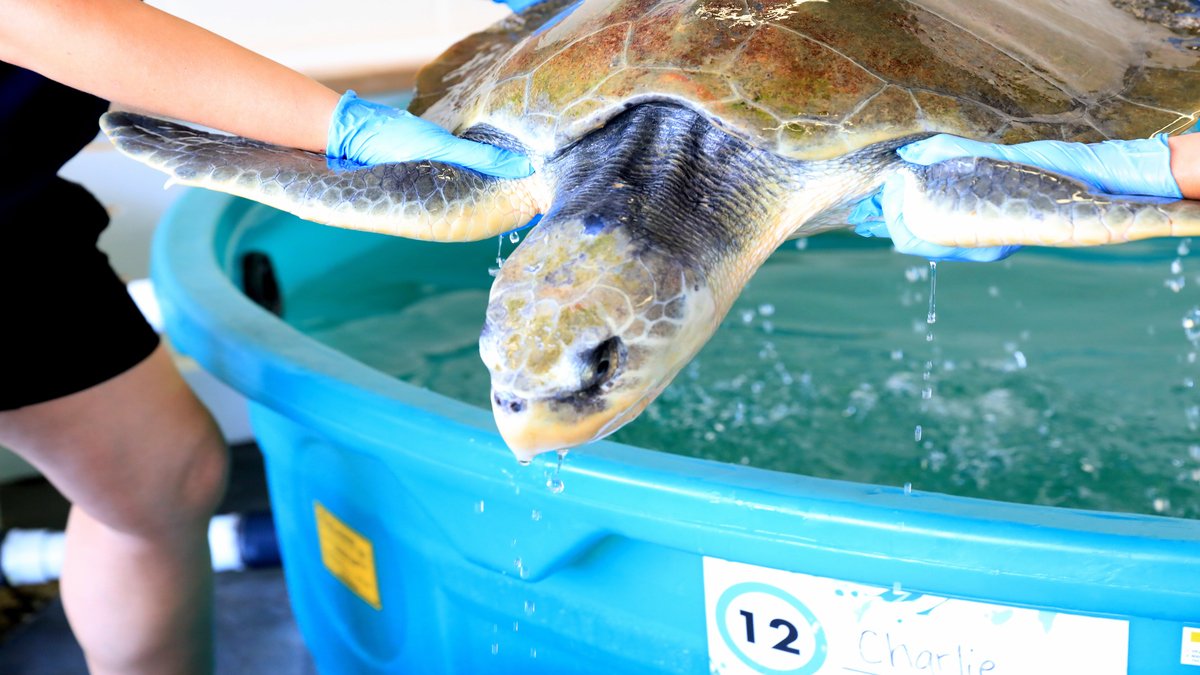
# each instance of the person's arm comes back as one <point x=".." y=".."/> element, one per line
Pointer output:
<point x="1185" y="163"/>
<point x="136" y="55"/>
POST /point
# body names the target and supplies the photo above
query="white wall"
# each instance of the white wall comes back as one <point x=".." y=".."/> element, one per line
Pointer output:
<point x="334" y="39"/>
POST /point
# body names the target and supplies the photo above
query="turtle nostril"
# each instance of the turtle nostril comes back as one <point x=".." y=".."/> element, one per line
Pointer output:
<point x="508" y="402"/>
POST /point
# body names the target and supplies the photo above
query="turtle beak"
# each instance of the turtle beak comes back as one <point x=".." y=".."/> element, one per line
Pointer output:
<point x="530" y="428"/>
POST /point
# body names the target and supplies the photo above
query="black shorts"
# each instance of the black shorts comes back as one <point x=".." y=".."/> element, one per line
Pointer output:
<point x="66" y="321"/>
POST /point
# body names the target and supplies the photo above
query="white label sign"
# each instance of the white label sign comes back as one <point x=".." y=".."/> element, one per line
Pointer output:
<point x="762" y="620"/>
<point x="1191" y="647"/>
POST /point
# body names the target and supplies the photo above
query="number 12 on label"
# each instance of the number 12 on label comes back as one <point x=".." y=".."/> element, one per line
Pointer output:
<point x="784" y="645"/>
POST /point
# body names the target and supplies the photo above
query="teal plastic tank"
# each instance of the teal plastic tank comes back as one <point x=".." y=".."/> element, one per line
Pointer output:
<point x="414" y="543"/>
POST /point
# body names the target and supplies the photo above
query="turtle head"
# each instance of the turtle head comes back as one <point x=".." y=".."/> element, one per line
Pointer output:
<point x="585" y="327"/>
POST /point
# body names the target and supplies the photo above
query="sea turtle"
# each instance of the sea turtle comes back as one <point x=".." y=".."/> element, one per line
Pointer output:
<point x="679" y="142"/>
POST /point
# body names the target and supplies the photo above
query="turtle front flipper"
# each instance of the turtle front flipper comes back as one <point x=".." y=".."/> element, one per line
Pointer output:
<point x="419" y="200"/>
<point x="977" y="202"/>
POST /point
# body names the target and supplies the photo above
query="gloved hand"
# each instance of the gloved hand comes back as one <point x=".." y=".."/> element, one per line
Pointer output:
<point x="365" y="132"/>
<point x="1137" y="167"/>
<point x="519" y="6"/>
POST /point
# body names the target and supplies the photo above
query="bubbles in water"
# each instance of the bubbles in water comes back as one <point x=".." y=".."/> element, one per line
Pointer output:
<point x="1175" y="284"/>
<point x="1177" y="266"/>
<point x="766" y="309"/>
<point x="1185" y="247"/>
<point x="801" y="244"/>
<point x="1191" y="325"/>
<point x="748" y="316"/>
<point x="915" y="274"/>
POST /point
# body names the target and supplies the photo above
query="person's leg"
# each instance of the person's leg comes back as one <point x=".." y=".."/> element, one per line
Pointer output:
<point x="145" y="466"/>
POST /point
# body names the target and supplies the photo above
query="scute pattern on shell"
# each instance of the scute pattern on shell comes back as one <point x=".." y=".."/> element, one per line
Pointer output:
<point x="809" y="79"/>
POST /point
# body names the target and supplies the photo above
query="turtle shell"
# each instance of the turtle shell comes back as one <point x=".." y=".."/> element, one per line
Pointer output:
<point x="813" y="79"/>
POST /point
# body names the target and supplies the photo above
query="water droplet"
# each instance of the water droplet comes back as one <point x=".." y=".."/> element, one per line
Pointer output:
<point x="1161" y="504"/>
<point x="1185" y="247"/>
<point x="479" y="506"/>
<point x="516" y="626"/>
<point x="766" y="309"/>
<point x="533" y="652"/>
<point x="520" y="567"/>
<point x="1177" y="266"/>
<point x="993" y="291"/>
<point x="917" y="433"/>
<point x="931" y="317"/>
<point x="530" y="608"/>
<point x="908" y="489"/>
<point x="898" y="355"/>
<point x="493" y="271"/>
<point x="1193" y="417"/>
<point x="514" y="237"/>
<point x="748" y="316"/>
<point x="556" y="485"/>
<point x="524" y="462"/>
<point x="535" y="515"/>
<point x="1020" y="359"/>
<point x="927" y="393"/>
<point x="1175" y="284"/>
<point x="801" y="244"/>
<point x="495" y="649"/>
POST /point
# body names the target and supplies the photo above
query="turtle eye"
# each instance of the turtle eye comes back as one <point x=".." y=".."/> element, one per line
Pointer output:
<point x="601" y="364"/>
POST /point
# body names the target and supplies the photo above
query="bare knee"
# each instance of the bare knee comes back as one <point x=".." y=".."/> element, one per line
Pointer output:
<point x="139" y="453"/>
<point x="177" y="492"/>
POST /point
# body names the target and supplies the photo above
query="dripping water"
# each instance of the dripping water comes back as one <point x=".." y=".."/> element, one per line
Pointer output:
<point x="554" y="482"/>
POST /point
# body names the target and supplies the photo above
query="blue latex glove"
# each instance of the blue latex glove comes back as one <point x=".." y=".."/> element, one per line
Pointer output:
<point x="366" y="133"/>
<point x="1137" y="167"/>
<point x="519" y="6"/>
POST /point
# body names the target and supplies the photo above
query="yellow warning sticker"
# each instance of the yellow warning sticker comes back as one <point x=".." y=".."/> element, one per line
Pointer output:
<point x="347" y="555"/>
